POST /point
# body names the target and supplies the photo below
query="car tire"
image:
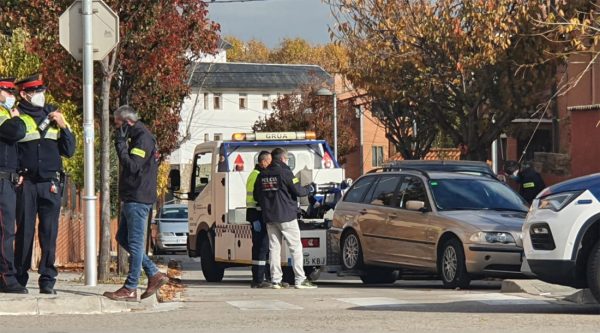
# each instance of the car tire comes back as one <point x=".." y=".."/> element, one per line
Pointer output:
<point x="212" y="271"/>
<point x="351" y="252"/>
<point x="379" y="276"/>
<point x="452" y="266"/>
<point x="593" y="271"/>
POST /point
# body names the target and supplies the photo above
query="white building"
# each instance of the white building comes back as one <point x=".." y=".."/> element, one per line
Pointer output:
<point x="230" y="97"/>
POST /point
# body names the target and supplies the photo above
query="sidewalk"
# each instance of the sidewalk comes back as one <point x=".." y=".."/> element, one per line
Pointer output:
<point x="75" y="298"/>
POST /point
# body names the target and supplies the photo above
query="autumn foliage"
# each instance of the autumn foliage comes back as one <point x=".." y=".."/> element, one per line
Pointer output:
<point x="159" y="40"/>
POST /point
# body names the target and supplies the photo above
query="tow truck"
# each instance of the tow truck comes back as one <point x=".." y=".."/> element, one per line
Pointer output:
<point x="218" y="231"/>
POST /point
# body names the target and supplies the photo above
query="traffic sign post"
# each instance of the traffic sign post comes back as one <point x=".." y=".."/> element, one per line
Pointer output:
<point x="89" y="30"/>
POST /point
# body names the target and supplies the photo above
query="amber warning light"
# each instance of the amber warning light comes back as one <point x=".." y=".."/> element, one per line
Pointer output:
<point x="274" y="136"/>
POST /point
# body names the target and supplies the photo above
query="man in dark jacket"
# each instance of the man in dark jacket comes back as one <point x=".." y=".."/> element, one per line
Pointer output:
<point x="277" y="192"/>
<point x="136" y="149"/>
<point x="12" y="129"/>
<point x="47" y="139"/>
<point x="530" y="182"/>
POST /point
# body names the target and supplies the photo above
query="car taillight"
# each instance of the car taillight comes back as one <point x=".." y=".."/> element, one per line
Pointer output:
<point x="311" y="242"/>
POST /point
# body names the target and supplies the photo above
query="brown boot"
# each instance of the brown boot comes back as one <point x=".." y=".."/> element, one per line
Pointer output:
<point x="123" y="294"/>
<point x="154" y="283"/>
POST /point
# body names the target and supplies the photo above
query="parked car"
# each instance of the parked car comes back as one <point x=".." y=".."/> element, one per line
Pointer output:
<point x="457" y="225"/>
<point x="172" y="229"/>
<point x="561" y="235"/>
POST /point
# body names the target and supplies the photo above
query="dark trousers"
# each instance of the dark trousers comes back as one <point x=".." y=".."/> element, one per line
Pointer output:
<point x="37" y="200"/>
<point x="8" y="202"/>
<point x="260" y="251"/>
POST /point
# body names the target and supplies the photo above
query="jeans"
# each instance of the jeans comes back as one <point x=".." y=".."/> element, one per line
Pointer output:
<point x="132" y="229"/>
<point x="291" y="232"/>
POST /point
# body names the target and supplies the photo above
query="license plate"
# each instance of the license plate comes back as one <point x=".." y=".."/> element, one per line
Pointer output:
<point x="181" y="241"/>
<point x="308" y="261"/>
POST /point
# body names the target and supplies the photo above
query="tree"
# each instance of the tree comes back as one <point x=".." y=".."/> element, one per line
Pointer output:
<point x="304" y="110"/>
<point x="455" y="63"/>
<point x="330" y="56"/>
<point x="160" y="39"/>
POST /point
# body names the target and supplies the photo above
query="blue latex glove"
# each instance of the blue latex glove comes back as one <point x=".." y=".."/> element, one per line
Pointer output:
<point x="256" y="226"/>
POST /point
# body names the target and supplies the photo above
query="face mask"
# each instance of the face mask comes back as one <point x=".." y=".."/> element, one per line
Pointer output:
<point x="10" y="102"/>
<point x="38" y="99"/>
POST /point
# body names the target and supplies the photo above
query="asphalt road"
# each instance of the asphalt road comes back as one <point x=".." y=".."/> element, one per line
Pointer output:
<point x="339" y="305"/>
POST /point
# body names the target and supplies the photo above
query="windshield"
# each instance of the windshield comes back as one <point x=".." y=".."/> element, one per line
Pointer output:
<point x="174" y="213"/>
<point x="475" y="194"/>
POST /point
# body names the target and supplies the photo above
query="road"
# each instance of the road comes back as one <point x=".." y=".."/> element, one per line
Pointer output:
<point x="339" y="305"/>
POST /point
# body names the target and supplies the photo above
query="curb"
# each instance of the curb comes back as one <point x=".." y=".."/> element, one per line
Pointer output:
<point x="68" y="305"/>
<point x="553" y="291"/>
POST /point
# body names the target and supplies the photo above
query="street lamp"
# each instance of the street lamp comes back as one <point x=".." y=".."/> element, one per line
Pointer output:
<point x="327" y="92"/>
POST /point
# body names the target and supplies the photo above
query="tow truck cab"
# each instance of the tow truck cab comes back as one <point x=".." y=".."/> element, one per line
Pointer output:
<point x="218" y="231"/>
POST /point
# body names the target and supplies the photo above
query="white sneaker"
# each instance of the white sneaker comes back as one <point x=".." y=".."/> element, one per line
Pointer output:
<point x="305" y="285"/>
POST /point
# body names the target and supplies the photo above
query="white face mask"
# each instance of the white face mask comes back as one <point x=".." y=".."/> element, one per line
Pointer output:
<point x="38" y="99"/>
<point x="10" y="102"/>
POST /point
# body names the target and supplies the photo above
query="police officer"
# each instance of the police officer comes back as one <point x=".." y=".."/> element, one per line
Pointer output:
<point x="260" y="241"/>
<point x="12" y="129"/>
<point x="277" y="191"/>
<point x="47" y="139"/>
<point x="530" y="182"/>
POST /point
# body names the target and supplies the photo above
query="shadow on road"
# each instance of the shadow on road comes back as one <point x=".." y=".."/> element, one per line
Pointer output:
<point x="504" y="307"/>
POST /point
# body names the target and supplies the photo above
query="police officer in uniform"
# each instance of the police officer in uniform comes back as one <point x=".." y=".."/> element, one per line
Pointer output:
<point x="47" y="139"/>
<point x="530" y="182"/>
<point x="12" y="129"/>
<point x="260" y="240"/>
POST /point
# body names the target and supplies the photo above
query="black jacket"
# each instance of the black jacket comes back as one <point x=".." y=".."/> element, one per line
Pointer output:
<point x="42" y="157"/>
<point x="12" y="129"/>
<point x="277" y="192"/>
<point x="530" y="184"/>
<point x="139" y="165"/>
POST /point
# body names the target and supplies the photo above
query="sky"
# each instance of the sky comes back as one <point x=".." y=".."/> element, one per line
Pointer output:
<point x="272" y="20"/>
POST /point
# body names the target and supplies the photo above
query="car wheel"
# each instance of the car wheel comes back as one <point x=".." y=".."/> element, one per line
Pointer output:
<point x="212" y="271"/>
<point x="379" y="276"/>
<point x="352" y="256"/>
<point x="593" y="271"/>
<point x="312" y="273"/>
<point x="451" y="264"/>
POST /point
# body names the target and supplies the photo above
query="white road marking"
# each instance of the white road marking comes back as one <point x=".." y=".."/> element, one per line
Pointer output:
<point x="263" y="305"/>
<point x="374" y="301"/>
<point x="500" y="299"/>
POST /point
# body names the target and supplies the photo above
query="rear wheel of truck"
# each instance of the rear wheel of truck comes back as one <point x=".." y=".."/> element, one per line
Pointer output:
<point x="212" y="271"/>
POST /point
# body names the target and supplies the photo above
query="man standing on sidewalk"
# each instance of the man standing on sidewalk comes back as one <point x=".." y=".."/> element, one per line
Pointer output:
<point x="260" y="240"/>
<point x="136" y="149"/>
<point x="47" y="140"/>
<point x="277" y="191"/>
<point x="12" y="129"/>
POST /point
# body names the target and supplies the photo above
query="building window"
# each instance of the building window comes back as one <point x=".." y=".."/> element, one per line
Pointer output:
<point x="377" y="156"/>
<point x="206" y="137"/>
<point x="217" y="101"/>
<point x="265" y="101"/>
<point x="205" y="101"/>
<point x="243" y="101"/>
<point x="218" y="136"/>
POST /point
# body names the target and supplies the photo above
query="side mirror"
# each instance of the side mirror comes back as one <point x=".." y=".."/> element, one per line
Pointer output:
<point x="417" y="206"/>
<point x="174" y="180"/>
<point x="203" y="180"/>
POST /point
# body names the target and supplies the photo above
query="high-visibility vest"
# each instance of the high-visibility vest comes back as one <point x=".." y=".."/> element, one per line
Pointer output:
<point x="250" y="202"/>
<point x="53" y="133"/>
<point x="4" y="114"/>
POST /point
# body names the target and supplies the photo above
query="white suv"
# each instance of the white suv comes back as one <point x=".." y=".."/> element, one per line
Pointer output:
<point x="561" y="236"/>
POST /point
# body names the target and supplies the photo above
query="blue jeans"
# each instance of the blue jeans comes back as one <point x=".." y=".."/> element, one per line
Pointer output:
<point x="132" y="228"/>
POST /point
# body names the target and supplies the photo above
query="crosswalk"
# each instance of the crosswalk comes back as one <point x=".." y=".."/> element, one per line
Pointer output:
<point x="478" y="299"/>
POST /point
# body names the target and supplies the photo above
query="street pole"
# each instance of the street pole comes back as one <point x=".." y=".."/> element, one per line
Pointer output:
<point x="335" y="128"/>
<point x="89" y="197"/>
